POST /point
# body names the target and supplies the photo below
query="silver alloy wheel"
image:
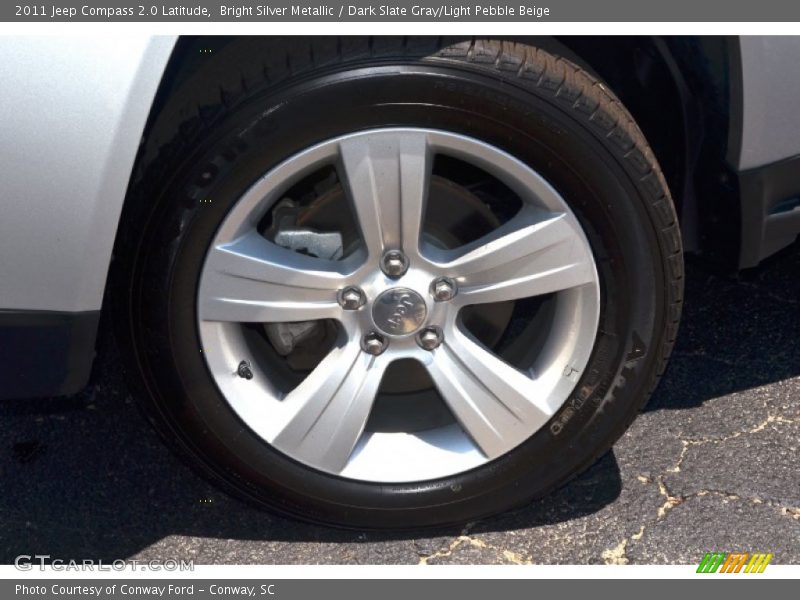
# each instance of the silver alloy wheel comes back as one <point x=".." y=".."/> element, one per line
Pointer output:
<point x="321" y="422"/>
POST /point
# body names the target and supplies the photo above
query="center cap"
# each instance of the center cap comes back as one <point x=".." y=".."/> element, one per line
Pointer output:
<point x="399" y="311"/>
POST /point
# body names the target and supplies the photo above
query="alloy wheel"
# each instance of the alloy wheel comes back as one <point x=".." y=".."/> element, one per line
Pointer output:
<point x="398" y="296"/>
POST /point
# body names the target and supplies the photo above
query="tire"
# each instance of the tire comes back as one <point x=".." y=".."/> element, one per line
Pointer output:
<point x="208" y="148"/>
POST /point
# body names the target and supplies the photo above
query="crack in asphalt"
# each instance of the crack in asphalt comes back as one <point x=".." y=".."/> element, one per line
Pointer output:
<point x="618" y="554"/>
<point x="509" y="556"/>
<point x="778" y="419"/>
<point x="688" y="443"/>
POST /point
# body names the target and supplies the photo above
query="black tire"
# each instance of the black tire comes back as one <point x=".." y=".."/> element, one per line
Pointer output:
<point x="290" y="94"/>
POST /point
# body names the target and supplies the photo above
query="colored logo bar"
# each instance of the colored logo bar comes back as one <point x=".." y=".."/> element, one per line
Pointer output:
<point x="734" y="562"/>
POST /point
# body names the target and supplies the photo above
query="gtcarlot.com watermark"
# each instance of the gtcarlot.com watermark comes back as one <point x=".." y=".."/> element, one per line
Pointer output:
<point x="28" y="562"/>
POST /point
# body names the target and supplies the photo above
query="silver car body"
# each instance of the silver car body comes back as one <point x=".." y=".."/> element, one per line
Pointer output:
<point x="74" y="110"/>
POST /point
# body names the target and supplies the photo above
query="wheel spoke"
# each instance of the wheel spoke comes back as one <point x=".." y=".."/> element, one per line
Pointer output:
<point x="253" y="280"/>
<point x="531" y="255"/>
<point x="386" y="176"/>
<point x="497" y="405"/>
<point x="330" y="408"/>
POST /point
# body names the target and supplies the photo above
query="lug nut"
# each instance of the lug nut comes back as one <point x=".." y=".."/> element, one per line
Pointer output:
<point x="351" y="298"/>
<point x="373" y="343"/>
<point x="443" y="289"/>
<point x="430" y="338"/>
<point x="394" y="263"/>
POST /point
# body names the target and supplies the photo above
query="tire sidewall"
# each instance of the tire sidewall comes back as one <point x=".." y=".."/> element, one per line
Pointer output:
<point x="603" y="191"/>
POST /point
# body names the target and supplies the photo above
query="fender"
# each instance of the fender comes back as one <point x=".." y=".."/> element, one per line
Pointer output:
<point x="74" y="111"/>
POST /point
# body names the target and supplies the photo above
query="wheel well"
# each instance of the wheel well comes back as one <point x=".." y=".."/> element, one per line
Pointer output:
<point x="678" y="90"/>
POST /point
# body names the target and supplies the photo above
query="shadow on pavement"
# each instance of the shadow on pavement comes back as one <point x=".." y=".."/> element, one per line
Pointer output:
<point x="736" y="334"/>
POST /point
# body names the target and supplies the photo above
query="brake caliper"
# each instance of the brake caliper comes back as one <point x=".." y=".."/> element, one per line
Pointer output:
<point x="284" y="231"/>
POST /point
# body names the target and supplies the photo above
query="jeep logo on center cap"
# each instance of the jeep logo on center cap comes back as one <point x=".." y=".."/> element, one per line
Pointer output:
<point x="399" y="311"/>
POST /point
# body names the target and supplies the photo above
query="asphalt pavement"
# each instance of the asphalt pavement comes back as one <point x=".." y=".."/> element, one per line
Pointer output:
<point x="710" y="465"/>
